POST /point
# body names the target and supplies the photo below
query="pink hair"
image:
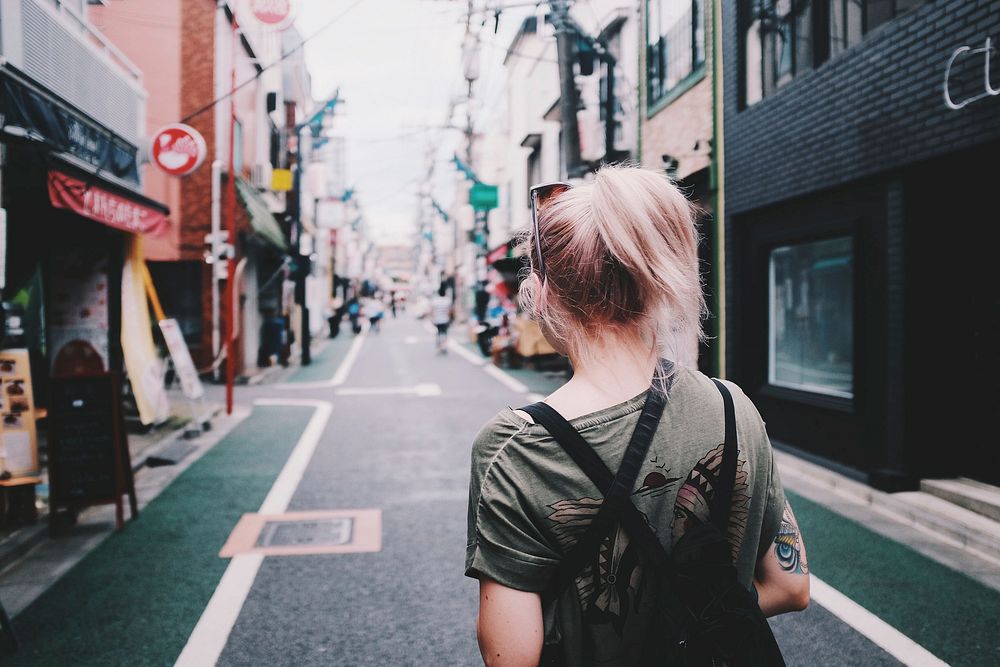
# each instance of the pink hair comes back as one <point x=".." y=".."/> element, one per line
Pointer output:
<point x="621" y="259"/>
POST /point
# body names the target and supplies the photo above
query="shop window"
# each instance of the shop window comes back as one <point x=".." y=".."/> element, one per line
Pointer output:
<point x="675" y="44"/>
<point x="777" y="36"/>
<point x="811" y="332"/>
<point x="778" y="44"/>
<point x="851" y="19"/>
<point x="847" y="24"/>
<point x="878" y="12"/>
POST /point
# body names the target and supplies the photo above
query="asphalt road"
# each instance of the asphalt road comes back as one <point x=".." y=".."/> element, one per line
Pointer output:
<point x="408" y="456"/>
<point x="383" y="425"/>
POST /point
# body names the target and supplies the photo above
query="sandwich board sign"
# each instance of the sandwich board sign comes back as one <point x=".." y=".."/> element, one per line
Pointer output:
<point x="184" y="366"/>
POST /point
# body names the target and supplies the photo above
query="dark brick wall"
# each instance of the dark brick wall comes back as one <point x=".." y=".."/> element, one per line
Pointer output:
<point x="853" y="143"/>
<point x="876" y="107"/>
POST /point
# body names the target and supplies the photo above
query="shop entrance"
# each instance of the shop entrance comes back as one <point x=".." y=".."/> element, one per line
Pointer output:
<point x="952" y="308"/>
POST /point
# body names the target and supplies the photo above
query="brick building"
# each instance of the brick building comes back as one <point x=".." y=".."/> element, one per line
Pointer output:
<point x="861" y="308"/>
<point x="675" y="116"/>
<point x="188" y="66"/>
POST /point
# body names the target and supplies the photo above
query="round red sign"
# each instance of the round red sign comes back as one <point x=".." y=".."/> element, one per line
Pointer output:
<point x="178" y="149"/>
<point x="277" y="14"/>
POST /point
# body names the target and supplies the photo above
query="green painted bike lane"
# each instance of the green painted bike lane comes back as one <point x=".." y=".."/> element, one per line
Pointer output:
<point x="324" y="364"/>
<point x="135" y="599"/>
<point x="951" y="615"/>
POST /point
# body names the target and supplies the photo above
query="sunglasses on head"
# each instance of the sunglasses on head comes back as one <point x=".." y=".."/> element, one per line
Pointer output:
<point x="540" y="195"/>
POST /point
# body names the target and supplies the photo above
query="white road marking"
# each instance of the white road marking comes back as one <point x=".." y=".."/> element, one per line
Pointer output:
<point x="505" y="379"/>
<point x="342" y="370"/>
<point x="210" y="635"/>
<point x="871" y="626"/>
<point x="491" y="370"/>
<point x="469" y="356"/>
<point x="411" y="340"/>
<point x="534" y="398"/>
<point x="425" y="389"/>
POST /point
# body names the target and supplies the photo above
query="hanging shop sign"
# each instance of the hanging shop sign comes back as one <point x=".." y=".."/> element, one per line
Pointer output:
<point x="281" y="180"/>
<point x="273" y="14"/>
<point x="178" y="149"/>
<point x="42" y="117"/>
<point x="94" y="202"/>
<point x="483" y="197"/>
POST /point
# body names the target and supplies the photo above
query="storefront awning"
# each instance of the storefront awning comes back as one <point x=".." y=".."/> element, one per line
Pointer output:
<point x="261" y="218"/>
<point x="36" y="114"/>
<point x="129" y="212"/>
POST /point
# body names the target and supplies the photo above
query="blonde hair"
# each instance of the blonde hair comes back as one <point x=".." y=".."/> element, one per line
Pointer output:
<point x="621" y="259"/>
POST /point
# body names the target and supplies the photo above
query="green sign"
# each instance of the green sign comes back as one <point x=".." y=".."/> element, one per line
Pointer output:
<point x="483" y="197"/>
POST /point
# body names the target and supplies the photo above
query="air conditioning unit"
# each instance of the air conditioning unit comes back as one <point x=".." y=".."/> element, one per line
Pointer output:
<point x="260" y="176"/>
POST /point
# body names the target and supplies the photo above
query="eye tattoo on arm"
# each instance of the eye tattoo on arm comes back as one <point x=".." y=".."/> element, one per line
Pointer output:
<point x="788" y="545"/>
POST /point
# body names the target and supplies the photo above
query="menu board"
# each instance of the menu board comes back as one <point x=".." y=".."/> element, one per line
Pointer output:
<point x="85" y="449"/>
<point x="18" y="435"/>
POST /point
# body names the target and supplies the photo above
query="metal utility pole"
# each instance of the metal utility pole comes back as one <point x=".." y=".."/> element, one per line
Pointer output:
<point x="231" y="217"/>
<point x="566" y="48"/>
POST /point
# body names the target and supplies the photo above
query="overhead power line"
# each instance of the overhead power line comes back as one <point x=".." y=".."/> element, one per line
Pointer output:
<point x="263" y="69"/>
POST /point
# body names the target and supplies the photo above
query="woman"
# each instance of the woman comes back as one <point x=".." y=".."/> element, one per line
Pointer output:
<point x="614" y="284"/>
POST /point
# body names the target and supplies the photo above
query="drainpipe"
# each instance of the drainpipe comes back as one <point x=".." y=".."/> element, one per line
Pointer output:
<point x="216" y="251"/>
<point x="718" y="172"/>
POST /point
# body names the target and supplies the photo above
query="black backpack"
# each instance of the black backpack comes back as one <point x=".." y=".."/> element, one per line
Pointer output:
<point x="704" y="616"/>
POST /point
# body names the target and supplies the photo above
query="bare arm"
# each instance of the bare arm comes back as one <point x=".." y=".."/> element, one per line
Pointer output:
<point x="510" y="628"/>
<point x="782" y="574"/>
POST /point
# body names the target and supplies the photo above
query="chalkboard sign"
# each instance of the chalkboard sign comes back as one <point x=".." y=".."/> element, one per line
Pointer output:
<point x="88" y="456"/>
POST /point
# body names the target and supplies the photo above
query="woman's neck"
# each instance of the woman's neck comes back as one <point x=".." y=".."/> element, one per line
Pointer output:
<point x="611" y="372"/>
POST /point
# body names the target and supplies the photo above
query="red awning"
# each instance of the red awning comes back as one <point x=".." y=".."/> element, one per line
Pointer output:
<point x="113" y="209"/>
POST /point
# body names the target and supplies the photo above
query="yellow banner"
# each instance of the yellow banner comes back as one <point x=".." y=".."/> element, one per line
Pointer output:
<point x="142" y="361"/>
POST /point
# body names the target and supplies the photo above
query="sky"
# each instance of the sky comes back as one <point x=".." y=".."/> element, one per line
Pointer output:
<point x="397" y="63"/>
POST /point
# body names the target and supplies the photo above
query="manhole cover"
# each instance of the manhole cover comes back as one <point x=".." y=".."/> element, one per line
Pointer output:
<point x="302" y="533"/>
<point x="309" y="533"/>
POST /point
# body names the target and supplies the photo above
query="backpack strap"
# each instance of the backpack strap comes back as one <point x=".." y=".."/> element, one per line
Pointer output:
<point x="616" y="488"/>
<point x="722" y="497"/>
<point x="616" y="504"/>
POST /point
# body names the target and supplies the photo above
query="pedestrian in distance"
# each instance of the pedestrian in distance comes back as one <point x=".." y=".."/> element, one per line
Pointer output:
<point x="442" y="314"/>
<point x="392" y="303"/>
<point x="374" y="310"/>
<point x="354" y="314"/>
<point x="634" y="516"/>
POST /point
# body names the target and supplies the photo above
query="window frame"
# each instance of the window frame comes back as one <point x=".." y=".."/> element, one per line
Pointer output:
<point x="698" y="12"/>
<point x="822" y="46"/>
<point x="770" y="377"/>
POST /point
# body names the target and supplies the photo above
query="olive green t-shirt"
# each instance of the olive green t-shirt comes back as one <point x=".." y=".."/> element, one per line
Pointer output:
<point x="529" y="503"/>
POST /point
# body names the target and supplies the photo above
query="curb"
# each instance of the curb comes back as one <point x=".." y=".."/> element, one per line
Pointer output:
<point x="24" y="539"/>
<point x="968" y="530"/>
<point x="180" y="433"/>
<point x="21" y="541"/>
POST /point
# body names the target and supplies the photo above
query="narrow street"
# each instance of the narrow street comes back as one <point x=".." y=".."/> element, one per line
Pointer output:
<point x="379" y="428"/>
